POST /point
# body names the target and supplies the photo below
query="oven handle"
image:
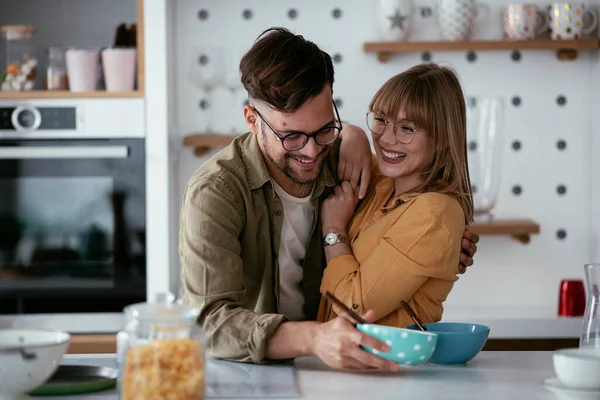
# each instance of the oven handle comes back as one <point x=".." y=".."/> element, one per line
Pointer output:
<point x="66" y="152"/>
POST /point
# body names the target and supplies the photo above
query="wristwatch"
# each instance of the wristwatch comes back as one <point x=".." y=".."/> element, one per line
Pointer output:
<point x="334" y="238"/>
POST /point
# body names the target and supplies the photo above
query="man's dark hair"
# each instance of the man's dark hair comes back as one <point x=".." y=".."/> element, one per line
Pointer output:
<point x="285" y="70"/>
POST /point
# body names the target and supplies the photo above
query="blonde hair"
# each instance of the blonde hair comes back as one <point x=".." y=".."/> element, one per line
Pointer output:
<point x="431" y="98"/>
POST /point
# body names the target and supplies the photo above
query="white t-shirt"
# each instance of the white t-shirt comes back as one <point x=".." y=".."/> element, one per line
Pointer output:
<point x="298" y="215"/>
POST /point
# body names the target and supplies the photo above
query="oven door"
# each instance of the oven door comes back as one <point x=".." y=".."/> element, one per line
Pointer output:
<point x="72" y="225"/>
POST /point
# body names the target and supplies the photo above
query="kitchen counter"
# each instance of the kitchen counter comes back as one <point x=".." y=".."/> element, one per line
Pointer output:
<point x="516" y="322"/>
<point x="491" y="375"/>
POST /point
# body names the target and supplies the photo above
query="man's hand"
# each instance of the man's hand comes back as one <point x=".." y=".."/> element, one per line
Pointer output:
<point x="355" y="158"/>
<point x="469" y="248"/>
<point x="337" y="343"/>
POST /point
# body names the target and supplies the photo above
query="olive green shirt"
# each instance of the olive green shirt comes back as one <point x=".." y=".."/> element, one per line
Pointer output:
<point x="230" y="228"/>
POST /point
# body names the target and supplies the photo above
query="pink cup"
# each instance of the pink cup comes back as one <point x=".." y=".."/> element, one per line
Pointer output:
<point x="82" y="69"/>
<point x="119" y="69"/>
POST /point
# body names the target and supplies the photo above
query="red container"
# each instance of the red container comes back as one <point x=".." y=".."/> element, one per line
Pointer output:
<point x="571" y="301"/>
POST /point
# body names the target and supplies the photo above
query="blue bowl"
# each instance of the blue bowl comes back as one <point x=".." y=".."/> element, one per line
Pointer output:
<point x="407" y="347"/>
<point x="458" y="343"/>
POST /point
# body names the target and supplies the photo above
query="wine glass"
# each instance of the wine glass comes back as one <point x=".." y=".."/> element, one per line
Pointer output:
<point x="233" y="82"/>
<point x="207" y="73"/>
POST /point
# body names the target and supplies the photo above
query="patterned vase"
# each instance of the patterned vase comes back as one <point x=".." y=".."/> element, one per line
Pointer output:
<point x="455" y="18"/>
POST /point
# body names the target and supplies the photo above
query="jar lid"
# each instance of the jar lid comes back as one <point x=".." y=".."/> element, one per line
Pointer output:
<point x="161" y="312"/>
<point x="12" y="32"/>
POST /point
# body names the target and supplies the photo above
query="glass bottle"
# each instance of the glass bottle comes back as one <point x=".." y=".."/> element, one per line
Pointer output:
<point x="162" y="352"/>
<point x="590" y="335"/>
<point x="56" y="74"/>
<point x="19" y="65"/>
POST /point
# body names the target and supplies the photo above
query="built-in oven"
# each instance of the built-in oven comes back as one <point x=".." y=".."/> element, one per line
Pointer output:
<point x="72" y="215"/>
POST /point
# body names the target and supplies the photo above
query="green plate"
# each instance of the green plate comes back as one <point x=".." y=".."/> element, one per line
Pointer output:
<point x="77" y="379"/>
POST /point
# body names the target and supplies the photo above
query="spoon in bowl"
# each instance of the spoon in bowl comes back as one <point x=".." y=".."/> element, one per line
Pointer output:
<point x="341" y="305"/>
<point x="414" y="317"/>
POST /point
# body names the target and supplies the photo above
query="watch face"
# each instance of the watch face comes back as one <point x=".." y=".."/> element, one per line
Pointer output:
<point x="331" y="238"/>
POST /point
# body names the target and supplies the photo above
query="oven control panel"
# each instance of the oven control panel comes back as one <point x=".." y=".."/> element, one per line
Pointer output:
<point x="27" y="118"/>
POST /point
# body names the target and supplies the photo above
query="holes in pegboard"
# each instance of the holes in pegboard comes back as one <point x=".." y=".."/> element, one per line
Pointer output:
<point x="426" y="56"/>
<point x="516" y="101"/>
<point x="561" y="100"/>
<point x="337" y="58"/>
<point x="247" y="14"/>
<point x="472" y="145"/>
<point x="561" y="144"/>
<point x="203" y="104"/>
<point x="336" y="13"/>
<point x="471" y="56"/>
<point x="515" y="55"/>
<point x="246" y="102"/>
<point x="203" y="59"/>
<point x="339" y="103"/>
<point x="474" y="188"/>
<point x="516" y="145"/>
<point x="561" y="234"/>
<point x="292" y="13"/>
<point x="203" y="14"/>
<point x="561" y="190"/>
<point x="517" y="190"/>
<point x="472" y="102"/>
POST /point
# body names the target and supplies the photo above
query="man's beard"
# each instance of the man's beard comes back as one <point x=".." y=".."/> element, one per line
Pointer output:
<point x="284" y="165"/>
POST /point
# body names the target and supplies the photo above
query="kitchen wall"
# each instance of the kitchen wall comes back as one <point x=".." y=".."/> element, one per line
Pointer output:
<point x="549" y="167"/>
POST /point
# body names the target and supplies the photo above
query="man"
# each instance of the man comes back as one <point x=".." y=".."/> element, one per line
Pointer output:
<point x="250" y="236"/>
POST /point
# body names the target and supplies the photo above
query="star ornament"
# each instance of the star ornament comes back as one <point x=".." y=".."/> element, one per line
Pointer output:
<point x="397" y="20"/>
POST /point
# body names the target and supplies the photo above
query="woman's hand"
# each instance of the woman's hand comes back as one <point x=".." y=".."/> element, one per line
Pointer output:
<point x="337" y="209"/>
<point x="355" y="158"/>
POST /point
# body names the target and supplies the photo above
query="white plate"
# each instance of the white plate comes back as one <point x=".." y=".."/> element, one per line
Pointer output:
<point x="563" y="391"/>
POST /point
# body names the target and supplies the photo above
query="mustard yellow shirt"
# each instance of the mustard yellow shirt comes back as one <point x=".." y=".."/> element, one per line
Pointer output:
<point x="407" y="251"/>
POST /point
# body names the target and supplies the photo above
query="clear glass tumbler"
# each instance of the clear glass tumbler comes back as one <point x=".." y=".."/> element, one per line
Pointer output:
<point x="590" y="335"/>
<point x="485" y="137"/>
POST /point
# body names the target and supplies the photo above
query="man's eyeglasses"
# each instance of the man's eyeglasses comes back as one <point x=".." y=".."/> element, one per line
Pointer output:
<point x="404" y="131"/>
<point x="297" y="140"/>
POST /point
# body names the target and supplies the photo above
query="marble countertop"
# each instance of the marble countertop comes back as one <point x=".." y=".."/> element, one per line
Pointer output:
<point x="505" y="322"/>
<point x="491" y="375"/>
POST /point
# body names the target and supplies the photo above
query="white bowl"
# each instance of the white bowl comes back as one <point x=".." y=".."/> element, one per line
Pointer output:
<point x="578" y="368"/>
<point x="28" y="357"/>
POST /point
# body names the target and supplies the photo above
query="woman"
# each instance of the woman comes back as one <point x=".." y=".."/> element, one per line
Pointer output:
<point x="404" y="241"/>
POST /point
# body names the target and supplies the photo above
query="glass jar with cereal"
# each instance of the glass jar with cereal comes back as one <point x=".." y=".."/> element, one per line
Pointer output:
<point x="162" y="353"/>
<point x="19" y="64"/>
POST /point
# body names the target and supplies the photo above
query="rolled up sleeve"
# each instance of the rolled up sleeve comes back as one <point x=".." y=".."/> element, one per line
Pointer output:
<point x="212" y="272"/>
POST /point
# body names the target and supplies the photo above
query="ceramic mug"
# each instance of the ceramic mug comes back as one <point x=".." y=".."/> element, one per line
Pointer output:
<point x="566" y="20"/>
<point x="396" y="19"/>
<point x="523" y="21"/>
<point x="456" y="18"/>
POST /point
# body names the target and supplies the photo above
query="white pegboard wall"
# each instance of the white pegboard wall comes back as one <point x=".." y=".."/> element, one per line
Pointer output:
<point x="547" y="135"/>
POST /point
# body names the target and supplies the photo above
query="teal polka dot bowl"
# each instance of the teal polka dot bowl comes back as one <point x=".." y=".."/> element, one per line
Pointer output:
<point x="408" y="347"/>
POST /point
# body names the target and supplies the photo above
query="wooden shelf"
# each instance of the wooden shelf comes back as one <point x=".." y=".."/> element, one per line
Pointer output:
<point x="204" y="142"/>
<point x="520" y="229"/>
<point x="44" y="94"/>
<point x="566" y="49"/>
